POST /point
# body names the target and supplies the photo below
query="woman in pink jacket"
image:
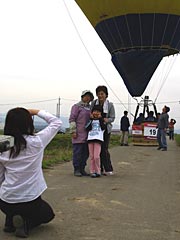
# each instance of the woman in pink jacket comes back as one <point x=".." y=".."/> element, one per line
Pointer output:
<point x="79" y="116"/>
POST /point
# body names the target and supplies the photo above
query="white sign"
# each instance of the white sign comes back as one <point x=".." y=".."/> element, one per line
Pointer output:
<point x="150" y="131"/>
<point x="137" y="132"/>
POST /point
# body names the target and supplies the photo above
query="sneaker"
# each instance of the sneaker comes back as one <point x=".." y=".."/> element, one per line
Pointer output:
<point x="159" y="148"/>
<point x="109" y="173"/>
<point x="164" y="149"/>
<point x="98" y="174"/>
<point x="93" y="175"/>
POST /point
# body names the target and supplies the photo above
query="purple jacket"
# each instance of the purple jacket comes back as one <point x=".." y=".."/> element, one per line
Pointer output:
<point x="79" y="116"/>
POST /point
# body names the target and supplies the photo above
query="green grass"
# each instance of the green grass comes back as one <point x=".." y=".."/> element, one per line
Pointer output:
<point x="114" y="140"/>
<point x="177" y="138"/>
<point x="60" y="149"/>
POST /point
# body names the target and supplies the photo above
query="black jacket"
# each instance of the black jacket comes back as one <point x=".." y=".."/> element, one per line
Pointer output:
<point x="124" y="123"/>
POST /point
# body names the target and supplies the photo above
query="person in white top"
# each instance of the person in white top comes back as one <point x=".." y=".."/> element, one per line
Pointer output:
<point x="95" y="128"/>
<point x="21" y="176"/>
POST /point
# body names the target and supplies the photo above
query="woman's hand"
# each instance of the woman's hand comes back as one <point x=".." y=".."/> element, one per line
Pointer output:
<point x="74" y="135"/>
<point x="33" y="111"/>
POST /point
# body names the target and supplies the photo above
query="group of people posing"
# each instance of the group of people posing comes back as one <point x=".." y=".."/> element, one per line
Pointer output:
<point x="90" y="125"/>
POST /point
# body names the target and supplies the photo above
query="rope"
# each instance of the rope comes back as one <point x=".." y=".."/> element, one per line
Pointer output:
<point x="90" y="56"/>
<point x="153" y="30"/>
<point x="165" y="29"/>
<point x="140" y="28"/>
<point x="175" y="31"/>
<point x="165" y="78"/>
<point x="129" y="31"/>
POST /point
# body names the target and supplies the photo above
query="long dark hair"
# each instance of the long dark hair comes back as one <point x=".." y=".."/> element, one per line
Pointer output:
<point x="18" y="123"/>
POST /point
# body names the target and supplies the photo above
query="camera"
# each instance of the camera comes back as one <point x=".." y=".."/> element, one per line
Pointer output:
<point x="6" y="142"/>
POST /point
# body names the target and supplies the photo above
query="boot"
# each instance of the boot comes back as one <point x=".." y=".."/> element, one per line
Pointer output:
<point x="77" y="172"/>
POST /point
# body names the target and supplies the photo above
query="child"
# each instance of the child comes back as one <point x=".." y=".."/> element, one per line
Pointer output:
<point x="96" y="127"/>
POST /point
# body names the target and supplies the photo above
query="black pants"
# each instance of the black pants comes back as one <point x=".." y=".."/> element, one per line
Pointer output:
<point x="105" y="155"/>
<point x="35" y="212"/>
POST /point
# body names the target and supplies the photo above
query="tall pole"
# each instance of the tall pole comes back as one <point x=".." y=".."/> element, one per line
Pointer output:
<point x="58" y="107"/>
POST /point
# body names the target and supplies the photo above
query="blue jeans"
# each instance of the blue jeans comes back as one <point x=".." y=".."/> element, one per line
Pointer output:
<point x="161" y="138"/>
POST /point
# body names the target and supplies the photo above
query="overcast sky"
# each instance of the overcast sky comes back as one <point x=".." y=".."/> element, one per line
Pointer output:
<point x="48" y="50"/>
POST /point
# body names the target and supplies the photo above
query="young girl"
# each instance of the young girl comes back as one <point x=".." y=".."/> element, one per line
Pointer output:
<point x="96" y="127"/>
<point x="21" y="176"/>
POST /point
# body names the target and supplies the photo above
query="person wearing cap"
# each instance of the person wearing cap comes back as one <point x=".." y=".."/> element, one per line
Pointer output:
<point x="163" y="121"/>
<point x="108" y="115"/>
<point x="95" y="128"/>
<point x="79" y="116"/>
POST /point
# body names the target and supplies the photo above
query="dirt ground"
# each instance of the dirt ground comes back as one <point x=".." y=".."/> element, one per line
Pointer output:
<point x="141" y="201"/>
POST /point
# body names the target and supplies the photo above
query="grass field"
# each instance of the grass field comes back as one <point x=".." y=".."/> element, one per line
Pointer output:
<point x="60" y="148"/>
<point x="177" y="138"/>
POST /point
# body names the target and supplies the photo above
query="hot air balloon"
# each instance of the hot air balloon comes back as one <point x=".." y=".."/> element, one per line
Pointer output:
<point x="137" y="33"/>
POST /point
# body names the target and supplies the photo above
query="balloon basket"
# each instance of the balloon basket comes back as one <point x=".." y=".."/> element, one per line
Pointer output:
<point x="144" y="134"/>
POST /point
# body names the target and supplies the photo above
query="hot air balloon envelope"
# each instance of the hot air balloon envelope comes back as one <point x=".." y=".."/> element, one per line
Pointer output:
<point x="137" y="33"/>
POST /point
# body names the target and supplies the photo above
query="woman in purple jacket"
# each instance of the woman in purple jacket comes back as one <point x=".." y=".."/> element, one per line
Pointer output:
<point x="79" y="116"/>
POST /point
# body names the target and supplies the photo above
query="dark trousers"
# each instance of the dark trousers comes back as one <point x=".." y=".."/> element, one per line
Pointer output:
<point x="105" y="155"/>
<point x="34" y="212"/>
<point x="171" y="134"/>
<point x="80" y="155"/>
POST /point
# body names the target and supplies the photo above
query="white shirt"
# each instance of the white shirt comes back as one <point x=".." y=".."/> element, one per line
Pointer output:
<point x="96" y="133"/>
<point x="21" y="178"/>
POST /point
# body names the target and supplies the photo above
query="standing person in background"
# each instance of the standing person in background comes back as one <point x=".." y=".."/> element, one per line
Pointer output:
<point x="163" y="121"/>
<point x="124" y="127"/>
<point x="171" y="129"/>
<point x="79" y="116"/>
<point x="95" y="128"/>
<point x="108" y="115"/>
<point x="21" y="176"/>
